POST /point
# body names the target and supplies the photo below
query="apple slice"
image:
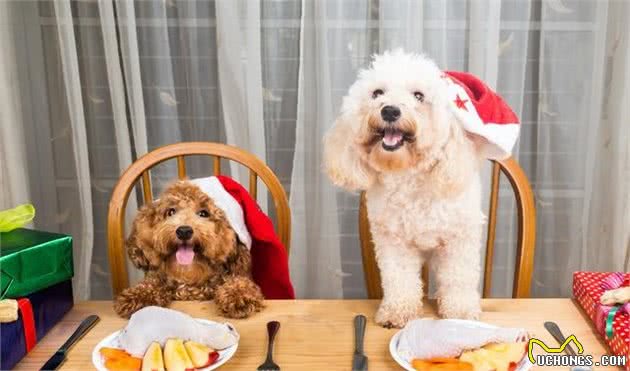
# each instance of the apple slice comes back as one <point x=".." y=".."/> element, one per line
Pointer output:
<point x="498" y="357"/>
<point x="175" y="356"/>
<point x="201" y="355"/>
<point x="512" y="351"/>
<point x="507" y="355"/>
<point x="153" y="360"/>
<point x="481" y="359"/>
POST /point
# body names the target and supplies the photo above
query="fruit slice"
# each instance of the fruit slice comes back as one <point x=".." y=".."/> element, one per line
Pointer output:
<point x="481" y="359"/>
<point x="201" y="355"/>
<point x="128" y="363"/>
<point x="113" y="353"/>
<point x="441" y="360"/>
<point x="153" y="360"/>
<point x="119" y="360"/>
<point x="175" y="356"/>
<point x="420" y="365"/>
<point x="499" y="357"/>
<point x="441" y="364"/>
<point x="512" y="352"/>
<point x="459" y="366"/>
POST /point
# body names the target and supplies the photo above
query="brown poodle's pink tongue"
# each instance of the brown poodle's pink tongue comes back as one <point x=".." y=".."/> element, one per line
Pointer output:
<point x="391" y="138"/>
<point x="185" y="255"/>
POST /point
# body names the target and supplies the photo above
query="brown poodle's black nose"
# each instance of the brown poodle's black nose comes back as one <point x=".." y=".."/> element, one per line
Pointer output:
<point x="184" y="232"/>
<point x="390" y="113"/>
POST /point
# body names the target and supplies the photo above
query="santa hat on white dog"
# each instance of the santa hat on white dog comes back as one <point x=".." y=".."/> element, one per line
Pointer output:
<point x="482" y="112"/>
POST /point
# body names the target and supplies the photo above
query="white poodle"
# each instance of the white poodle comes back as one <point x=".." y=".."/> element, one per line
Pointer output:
<point x="398" y="138"/>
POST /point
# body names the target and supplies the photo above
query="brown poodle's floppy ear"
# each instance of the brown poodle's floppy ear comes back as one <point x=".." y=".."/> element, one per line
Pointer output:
<point x="240" y="262"/>
<point x="342" y="162"/>
<point x="141" y="236"/>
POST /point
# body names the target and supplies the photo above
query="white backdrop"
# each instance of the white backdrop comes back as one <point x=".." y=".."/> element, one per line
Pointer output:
<point x="88" y="86"/>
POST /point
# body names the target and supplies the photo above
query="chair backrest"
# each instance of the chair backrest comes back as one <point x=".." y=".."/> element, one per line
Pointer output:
<point x="141" y="169"/>
<point x="526" y="235"/>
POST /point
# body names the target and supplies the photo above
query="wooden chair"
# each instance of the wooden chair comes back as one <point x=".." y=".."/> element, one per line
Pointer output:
<point x="141" y="168"/>
<point x="524" y="249"/>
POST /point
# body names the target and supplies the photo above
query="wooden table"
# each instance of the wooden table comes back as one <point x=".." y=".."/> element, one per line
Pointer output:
<point x="316" y="334"/>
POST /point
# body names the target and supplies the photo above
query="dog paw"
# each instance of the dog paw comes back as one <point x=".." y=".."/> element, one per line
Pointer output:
<point x="239" y="298"/>
<point x="616" y="296"/>
<point x="125" y="307"/>
<point x="242" y="307"/>
<point x="142" y="295"/>
<point x="396" y="316"/>
<point x="459" y="306"/>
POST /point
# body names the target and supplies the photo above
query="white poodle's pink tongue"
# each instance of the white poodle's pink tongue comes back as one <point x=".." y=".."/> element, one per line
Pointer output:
<point x="185" y="255"/>
<point x="391" y="138"/>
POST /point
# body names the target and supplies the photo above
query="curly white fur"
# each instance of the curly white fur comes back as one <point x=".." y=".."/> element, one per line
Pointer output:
<point x="424" y="198"/>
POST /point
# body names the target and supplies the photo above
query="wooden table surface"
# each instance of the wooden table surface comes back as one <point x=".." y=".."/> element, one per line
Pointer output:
<point x="316" y="334"/>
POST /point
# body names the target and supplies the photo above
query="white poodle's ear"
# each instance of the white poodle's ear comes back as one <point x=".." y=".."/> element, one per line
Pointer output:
<point x="457" y="161"/>
<point x="342" y="162"/>
<point x="480" y="143"/>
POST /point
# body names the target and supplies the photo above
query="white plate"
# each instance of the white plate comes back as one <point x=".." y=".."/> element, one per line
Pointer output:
<point x="112" y="342"/>
<point x="524" y="365"/>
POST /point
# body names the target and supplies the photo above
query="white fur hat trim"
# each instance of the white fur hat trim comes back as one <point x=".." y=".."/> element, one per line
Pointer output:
<point x="232" y="209"/>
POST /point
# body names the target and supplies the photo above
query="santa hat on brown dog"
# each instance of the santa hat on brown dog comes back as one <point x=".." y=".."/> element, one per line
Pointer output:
<point x="270" y="262"/>
<point x="482" y="112"/>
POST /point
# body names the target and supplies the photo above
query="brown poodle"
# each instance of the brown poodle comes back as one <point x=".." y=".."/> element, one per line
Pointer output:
<point x="188" y="250"/>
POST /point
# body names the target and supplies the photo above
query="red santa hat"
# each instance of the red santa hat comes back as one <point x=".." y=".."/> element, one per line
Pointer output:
<point x="482" y="112"/>
<point x="270" y="262"/>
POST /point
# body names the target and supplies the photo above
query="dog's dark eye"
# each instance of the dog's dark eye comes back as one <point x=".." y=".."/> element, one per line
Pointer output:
<point x="419" y="96"/>
<point x="203" y="213"/>
<point x="170" y="212"/>
<point x="376" y="93"/>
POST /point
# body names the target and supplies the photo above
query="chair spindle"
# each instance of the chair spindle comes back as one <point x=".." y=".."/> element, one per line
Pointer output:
<point x="181" y="167"/>
<point x="253" y="184"/>
<point x="492" y="226"/>
<point x="217" y="165"/>
<point x="146" y="187"/>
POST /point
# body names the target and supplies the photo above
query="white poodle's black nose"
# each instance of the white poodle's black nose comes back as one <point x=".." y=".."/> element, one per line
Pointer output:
<point x="390" y="113"/>
<point x="184" y="232"/>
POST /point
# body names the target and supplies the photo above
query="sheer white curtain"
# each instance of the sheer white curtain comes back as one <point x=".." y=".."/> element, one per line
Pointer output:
<point x="315" y="203"/>
<point x="88" y="87"/>
<point x="13" y="181"/>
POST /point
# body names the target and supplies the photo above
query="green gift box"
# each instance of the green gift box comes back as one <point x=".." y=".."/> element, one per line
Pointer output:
<point x="32" y="260"/>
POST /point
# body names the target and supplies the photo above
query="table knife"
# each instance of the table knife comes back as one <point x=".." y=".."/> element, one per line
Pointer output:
<point x="359" y="360"/>
<point x="60" y="355"/>
<point x="555" y="331"/>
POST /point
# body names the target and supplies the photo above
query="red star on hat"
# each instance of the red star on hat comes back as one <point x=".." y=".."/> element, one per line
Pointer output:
<point x="483" y="112"/>
<point x="461" y="103"/>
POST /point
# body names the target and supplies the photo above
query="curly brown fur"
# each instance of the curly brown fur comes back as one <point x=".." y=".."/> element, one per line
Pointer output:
<point x="221" y="267"/>
<point x="238" y="297"/>
<point x="150" y="291"/>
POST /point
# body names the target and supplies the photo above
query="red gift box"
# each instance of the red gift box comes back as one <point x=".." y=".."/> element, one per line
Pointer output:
<point x="587" y="289"/>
